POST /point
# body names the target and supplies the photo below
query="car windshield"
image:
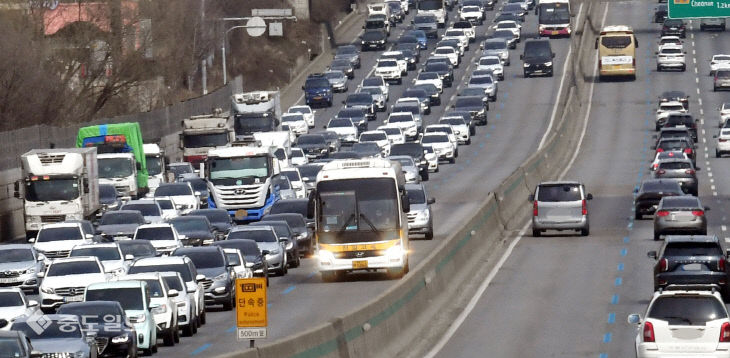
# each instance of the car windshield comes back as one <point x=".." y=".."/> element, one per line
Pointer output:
<point x="394" y="118"/>
<point x="559" y="192"/>
<point x="16" y="255"/>
<point x="316" y="83"/>
<point x="428" y="76"/>
<point x="373" y="81"/>
<point x="481" y="80"/>
<point x="687" y="310"/>
<point x="372" y="90"/>
<point x="424" y="19"/>
<point x="437" y="67"/>
<point x="351" y="113"/>
<point x="680" y="202"/>
<point x="454" y="121"/>
<point x="204" y="140"/>
<point x="435" y="138"/>
<point x="340" y="63"/>
<point x="371" y="137"/>
<point x="616" y="41"/>
<point x="95" y="313"/>
<point x="52" y="190"/>
<point x="173" y="283"/>
<point x="663" y="186"/>
<point x="286" y="206"/>
<point x="255" y="235"/>
<point x="180" y="268"/>
<point x="675" y="165"/>
<point x="173" y="190"/>
<point x="102" y="253"/>
<point x="203" y="259"/>
<point x="309" y="171"/>
<point x="59" y="234"/>
<point x="165" y="204"/>
<point x="147" y="209"/>
<point x="73" y="268"/>
<point x="340" y="123"/>
<point x="672" y="144"/>
<point x="155" y="233"/>
<point x="54" y="329"/>
<point x="692" y="249"/>
<point x="506" y="25"/>
<point x="416" y="196"/>
<point x="137" y="249"/>
<point x="406" y="162"/>
<point x="387" y="63"/>
<point x="346" y="50"/>
<point x="233" y="258"/>
<point x="468" y="102"/>
<point x="495" y="45"/>
<point x="489" y="61"/>
<point x="672" y="51"/>
<point x="292" y="117"/>
<point x="130" y="298"/>
<point x="444" y="51"/>
<point x="373" y="35"/>
<point x="214" y="216"/>
<point x="11" y="299"/>
<point x="721" y="58"/>
<point x="414" y="109"/>
<point x="297" y="153"/>
<point x="503" y="33"/>
<point x="115" y="167"/>
<point x="293" y="175"/>
<point x="113" y="218"/>
<point x="311" y="139"/>
<point x="190" y="223"/>
<point x="107" y="192"/>
<point x="470" y="8"/>
<point x="155" y="287"/>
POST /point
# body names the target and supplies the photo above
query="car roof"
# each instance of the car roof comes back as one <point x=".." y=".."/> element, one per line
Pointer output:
<point x="149" y="226"/>
<point x="562" y="182"/>
<point x="97" y="244"/>
<point x="691" y="238"/>
<point x="116" y="284"/>
<point x="163" y="260"/>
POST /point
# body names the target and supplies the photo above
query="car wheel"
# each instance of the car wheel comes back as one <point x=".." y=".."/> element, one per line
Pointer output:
<point x="297" y="261"/>
<point x="429" y="234"/>
<point x="397" y="273"/>
<point x="399" y="81"/>
<point x="132" y="352"/>
<point x="329" y="103"/>
<point x="684" y="68"/>
<point x="187" y="331"/>
<point x="228" y="305"/>
<point x="169" y="338"/>
<point x="424" y="175"/>
<point x="638" y="215"/>
<point x="714" y="88"/>
<point x="535" y="233"/>
<point x="656" y="236"/>
<point x="452" y="160"/>
<point x="468" y="141"/>
<point x="203" y="318"/>
<point x="177" y="333"/>
<point x="330" y="276"/>
<point x="585" y="232"/>
<point x="154" y="347"/>
<point x="717" y="154"/>
<point x="658" y="68"/>
<point x="283" y="270"/>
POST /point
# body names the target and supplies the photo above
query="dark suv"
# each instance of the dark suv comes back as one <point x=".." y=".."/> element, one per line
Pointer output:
<point x="475" y="106"/>
<point x="415" y="151"/>
<point x="537" y="58"/>
<point x="682" y="119"/>
<point x="649" y="194"/>
<point x="317" y="90"/>
<point x="219" y="280"/>
<point x="674" y="27"/>
<point x="680" y="170"/>
<point x="691" y="260"/>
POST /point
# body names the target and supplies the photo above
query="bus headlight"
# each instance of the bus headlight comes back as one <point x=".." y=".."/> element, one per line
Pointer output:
<point x="394" y="253"/>
<point x="326" y="257"/>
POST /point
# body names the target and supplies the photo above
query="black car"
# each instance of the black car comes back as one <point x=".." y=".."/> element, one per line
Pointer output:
<point x="422" y="96"/>
<point x="660" y="13"/>
<point x="298" y="223"/>
<point x="108" y="198"/>
<point x="675" y="132"/>
<point x="428" y="23"/>
<point x="115" y="336"/>
<point x="309" y="174"/>
<point x="314" y="146"/>
<point x="415" y="151"/>
<point x="60" y="334"/>
<point x="506" y="35"/>
<point x="537" y="58"/>
<point x="194" y="230"/>
<point x="136" y="249"/>
<point x="409" y="54"/>
<point x="691" y="260"/>
<point x="119" y="223"/>
<point x="357" y="115"/>
<point x="649" y="194"/>
<point x="682" y="120"/>
<point x="474" y="105"/>
<point x="219" y="219"/>
<point x="432" y="91"/>
<point x="350" y="52"/>
<point x="287" y="237"/>
<point x="16" y="344"/>
<point x="199" y="186"/>
<point x="504" y="16"/>
<point x="343" y="65"/>
<point x="373" y="40"/>
<point x="367" y="150"/>
<point x="444" y="70"/>
<point x="678" y="96"/>
<point x="220" y="278"/>
<point x="674" y="27"/>
<point x="250" y="251"/>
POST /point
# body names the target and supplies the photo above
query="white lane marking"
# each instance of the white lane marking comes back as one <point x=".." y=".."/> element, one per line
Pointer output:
<point x="712" y="187"/>
<point x="712" y="180"/>
<point x="703" y="132"/>
<point x="695" y="61"/>
<point x="727" y="239"/>
<point x="693" y="42"/>
<point x="697" y="80"/>
<point x="695" y="70"/>
<point x="707" y="155"/>
<point x="709" y="174"/>
<point x="714" y="193"/>
<point x="699" y="100"/>
<point x="703" y="141"/>
<point x="723" y="227"/>
<point x="702" y="112"/>
<point x="693" y="50"/>
<point x="702" y="122"/>
<point x="483" y="287"/>
<point x="698" y="90"/>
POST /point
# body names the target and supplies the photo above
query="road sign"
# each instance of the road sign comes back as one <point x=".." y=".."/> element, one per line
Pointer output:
<point x="687" y="9"/>
<point x="251" y="315"/>
<point x="255" y="26"/>
<point x="271" y="12"/>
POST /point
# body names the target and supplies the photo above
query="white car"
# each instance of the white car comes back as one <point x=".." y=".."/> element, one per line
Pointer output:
<point x="683" y="322"/>
<point x="395" y="134"/>
<point x="186" y="199"/>
<point x="669" y="40"/>
<point x="509" y="25"/>
<point x="14" y="304"/>
<point x="109" y="254"/>
<point x="377" y="82"/>
<point x="487" y="83"/>
<point x="378" y="137"/>
<point x="671" y="57"/>
<point x="164" y="237"/>
<point x="56" y="240"/>
<point x="298" y="157"/>
<point x="719" y="61"/>
<point x="169" y="209"/>
<point x="398" y="57"/>
<point x="471" y="13"/>
<point x="306" y="111"/>
<point x="724" y="114"/>
<point x="239" y="264"/>
<point x="432" y="158"/>
<point x="389" y="70"/>
<point x="442" y="145"/>
<point x="184" y="302"/>
<point x="666" y="108"/>
<point x="66" y="280"/>
<point x="448" y="130"/>
<point x="722" y="146"/>
<point x="405" y="121"/>
<point x="344" y="128"/>
<point x="296" y="122"/>
<point x="162" y="302"/>
<point x="295" y="179"/>
<point x="457" y="34"/>
<point x="460" y="128"/>
<point x="414" y="101"/>
<point x="448" y="52"/>
<point x="430" y="77"/>
<point x="493" y="64"/>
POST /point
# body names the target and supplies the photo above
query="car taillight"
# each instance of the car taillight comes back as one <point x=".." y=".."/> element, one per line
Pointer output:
<point x="722" y="140"/>
<point x="725" y="332"/>
<point x="659" y="150"/>
<point x="688" y="150"/>
<point x="721" y="264"/>
<point x="584" y="207"/>
<point x="649" y="331"/>
<point x="663" y="265"/>
<point x="633" y="62"/>
<point x="600" y="63"/>
<point x="689" y="171"/>
<point x="661" y="171"/>
<point x="662" y="213"/>
<point x="698" y="212"/>
<point x="665" y="28"/>
<point x="534" y="208"/>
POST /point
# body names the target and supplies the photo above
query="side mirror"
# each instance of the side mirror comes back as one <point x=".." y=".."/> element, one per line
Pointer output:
<point x="707" y="208"/>
<point x="531" y="197"/>
<point x="172" y="293"/>
<point x="265" y="252"/>
<point x="199" y="278"/>
<point x="698" y="169"/>
<point x="553" y="55"/>
<point x="139" y="165"/>
<point x="147" y="222"/>
<point x="128" y="257"/>
<point x="652" y="255"/>
<point x="153" y="307"/>
<point x="41" y="257"/>
<point x="32" y="303"/>
<point x="522" y="57"/>
<point x="34" y="354"/>
<point x="16" y="188"/>
<point x="714" y="136"/>
<point x="41" y="275"/>
<point x="405" y="203"/>
<point x="310" y="225"/>
<point x="197" y="193"/>
<point x="653" y="147"/>
<point x="589" y="196"/>
<point x="302" y="87"/>
<point x="634" y="319"/>
<point x="596" y="46"/>
<point x="431" y="201"/>
<point x="636" y="190"/>
<point x="31" y="240"/>
<point x="89" y="236"/>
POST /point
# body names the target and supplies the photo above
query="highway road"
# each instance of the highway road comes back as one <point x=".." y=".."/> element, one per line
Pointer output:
<point x="568" y="296"/>
<point x="517" y="121"/>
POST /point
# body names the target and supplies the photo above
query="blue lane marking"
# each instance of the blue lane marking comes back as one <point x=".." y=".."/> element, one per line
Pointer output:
<point x="626" y="239"/>
<point x="618" y="281"/>
<point x="311" y="274"/>
<point x="614" y="299"/>
<point x="268" y="305"/>
<point x="497" y="116"/>
<point x="603" y="355"/>
<point x="624" y="252"/>
<point x="288" y="289"/>
<point x="506" y="95"/>
<point x="231" y="330"/>
<point x="501" y="106"/>
<point x="481" y="145"/>
<point x="630" y="225"/>
<point x="486" y="135"/>
<point x="620" y="266"/>
<point x="611" y="318"/>
<point x="607" y="338"/>
<point x="201" y="349"/>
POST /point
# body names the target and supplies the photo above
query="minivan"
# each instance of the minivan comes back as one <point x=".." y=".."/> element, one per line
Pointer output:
<point x="560" y="205"/>
<point x="537" y="58"/>
<point x="721" y="80"/>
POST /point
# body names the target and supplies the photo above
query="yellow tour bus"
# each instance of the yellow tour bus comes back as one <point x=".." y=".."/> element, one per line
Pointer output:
<point x="617" y="52"/>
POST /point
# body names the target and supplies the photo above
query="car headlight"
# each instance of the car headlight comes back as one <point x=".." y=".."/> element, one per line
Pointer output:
<point x="323" y="150"/>
<point x="220" y="277"/>
<point x="159" y="309"/>
<point x="549" y="63"/>
<point x="274" y="252"/>
<point x="289" y="245"/>
<point x="29" y="271"/>
<point x="138" y="319"/>
<point x="48" y="290"/>
<point x="120" y="339"/>
<point x="526" y="65"/>
<point x="423" y="215"/>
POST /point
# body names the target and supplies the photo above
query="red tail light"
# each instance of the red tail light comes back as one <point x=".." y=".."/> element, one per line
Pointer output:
<point x="722" y="140"/>
<point x="584" y="207"/>
<point x="534" y="208"/>
<point x="721" y="264"/>
<point x="659" y="150"/>
<point x="600" y="63"/>
<point x="725" y="332"/>
<point x="649" y="331"/>
<point x="698" y="213"/>
<point x="689" y="171"/>
<point x="687" y="150"/>
<point x="662" y="213"/>
<point x="633" y="62"/>
<point x="663" y="265"/>
<point x="661" y="171"/>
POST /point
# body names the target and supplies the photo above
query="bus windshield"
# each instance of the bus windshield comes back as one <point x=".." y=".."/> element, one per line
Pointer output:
<point x="615" y="41"/>
<point x="550" y="14"/>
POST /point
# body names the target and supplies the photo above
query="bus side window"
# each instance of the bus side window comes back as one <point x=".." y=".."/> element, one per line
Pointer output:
<point x="636" y="42"/>
<point x="596" y="43"/>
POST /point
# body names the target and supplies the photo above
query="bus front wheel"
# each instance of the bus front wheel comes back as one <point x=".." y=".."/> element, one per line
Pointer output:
<point x="331" y="276"/>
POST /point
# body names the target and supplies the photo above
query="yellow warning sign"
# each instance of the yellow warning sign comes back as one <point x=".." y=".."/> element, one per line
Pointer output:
<point x="251" y="302"/>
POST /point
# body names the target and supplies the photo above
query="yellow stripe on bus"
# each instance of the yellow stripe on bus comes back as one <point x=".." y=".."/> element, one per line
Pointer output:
<point x="359" y="247"/>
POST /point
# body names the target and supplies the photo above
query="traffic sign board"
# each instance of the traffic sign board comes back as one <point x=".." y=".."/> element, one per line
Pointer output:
<point x="251" y="302"/>
<point x="687" y="9"/>
<point x="251" y="333"/>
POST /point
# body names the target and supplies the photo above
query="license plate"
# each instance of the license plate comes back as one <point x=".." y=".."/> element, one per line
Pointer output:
<point x="78" y="298"/>
<point x="554" y="32"/>
<point x="8" y="280"/>
<point x="360" y="264"/>
<point x="692" y="267"/>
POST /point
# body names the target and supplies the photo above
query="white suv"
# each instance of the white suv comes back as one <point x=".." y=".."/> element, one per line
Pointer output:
<point x="109" y="254"/>
<point x="687" y="321"/>
<point x="187" y="318"/>
<point x="163" y="304"/>
<point x="163" y="237"/>
<point x="671" y="57"/>
<point x="389" y="70"/>
<point x="66" y="279"/>
<point x="724" y="114"/>
<point x="722" y="146"/>
<point x="56" y="240"/>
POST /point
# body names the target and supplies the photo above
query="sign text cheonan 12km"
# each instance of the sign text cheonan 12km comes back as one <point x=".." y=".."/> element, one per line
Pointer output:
<point x="251" y="315"/>
<point x="686" y="9"/>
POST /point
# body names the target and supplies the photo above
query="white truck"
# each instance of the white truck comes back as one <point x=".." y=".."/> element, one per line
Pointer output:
<point x="258" y="111"/>
<point x="155" y="159"/>
<point x="240" y="180"/>
<point x="280" y="142"/>
<point x="202" y="133"/>
<point x="120" y="170"/>
<point x="57" y="185"/>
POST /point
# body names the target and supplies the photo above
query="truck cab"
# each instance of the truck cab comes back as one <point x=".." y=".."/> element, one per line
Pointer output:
<point x="120" y="170"/>
<point x="202" y="133"/>
<point x="253" y="112"/>
<point x="155" y="158"/>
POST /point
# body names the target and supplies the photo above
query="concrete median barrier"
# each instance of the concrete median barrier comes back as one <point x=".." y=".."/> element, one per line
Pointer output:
<point x="512" y="195"/>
